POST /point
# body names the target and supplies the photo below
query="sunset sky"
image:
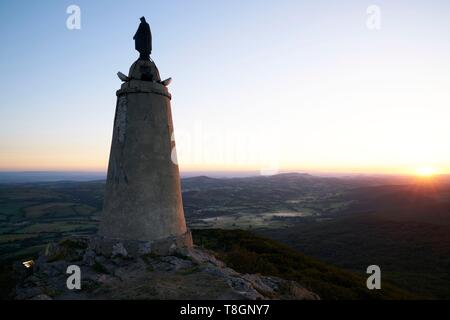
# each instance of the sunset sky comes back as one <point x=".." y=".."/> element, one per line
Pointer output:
<point x="257" y="85"/>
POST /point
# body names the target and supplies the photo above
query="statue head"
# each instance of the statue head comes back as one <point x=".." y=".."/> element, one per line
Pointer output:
<point x="143" y="19"/>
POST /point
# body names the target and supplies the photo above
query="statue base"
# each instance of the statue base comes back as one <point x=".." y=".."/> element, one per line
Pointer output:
<point x="145" y="70"/>
<point x="110" y="247"/>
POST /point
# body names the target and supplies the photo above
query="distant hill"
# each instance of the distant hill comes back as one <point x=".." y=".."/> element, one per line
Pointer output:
<point x="48" y="176"/>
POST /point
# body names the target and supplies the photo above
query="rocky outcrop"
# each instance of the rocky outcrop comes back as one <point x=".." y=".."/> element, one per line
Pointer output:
<point x="185" y="274"/>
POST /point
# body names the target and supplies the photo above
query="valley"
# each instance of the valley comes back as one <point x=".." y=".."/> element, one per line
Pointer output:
<point x="399" y="223"/>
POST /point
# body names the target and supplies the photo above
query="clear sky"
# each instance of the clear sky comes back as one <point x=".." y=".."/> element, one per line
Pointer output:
<point x="257" y="85"/>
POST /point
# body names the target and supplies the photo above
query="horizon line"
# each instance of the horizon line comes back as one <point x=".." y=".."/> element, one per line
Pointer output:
<point x="229" y="172"/>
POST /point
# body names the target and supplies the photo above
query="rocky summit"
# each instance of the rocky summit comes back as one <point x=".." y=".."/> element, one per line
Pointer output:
<point x="192" y="273"/>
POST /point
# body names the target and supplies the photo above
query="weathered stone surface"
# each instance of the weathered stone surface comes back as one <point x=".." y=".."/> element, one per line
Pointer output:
<point x="143" y="194"/>
<point x="185" y="274"/>
<point x="89" y="257"/>
<point x="109" y="247"/>
<point x="202" y="257"/>
<point x="119" y="250"/>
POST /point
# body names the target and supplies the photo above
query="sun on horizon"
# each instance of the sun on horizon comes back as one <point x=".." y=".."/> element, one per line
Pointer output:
<point x="426" y="172"/>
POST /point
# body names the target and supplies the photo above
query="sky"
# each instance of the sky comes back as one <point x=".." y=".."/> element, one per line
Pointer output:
<point x="313" y="86"/>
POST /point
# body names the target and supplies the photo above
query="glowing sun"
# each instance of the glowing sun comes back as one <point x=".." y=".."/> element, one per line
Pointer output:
<point x="426" y="171"/>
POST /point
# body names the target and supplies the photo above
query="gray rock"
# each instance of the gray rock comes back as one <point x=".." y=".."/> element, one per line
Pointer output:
<point x="89" y="257"/>
<point x="202" y="257"/>
<point x="52" y="269"/>
<point x="187" y="274"/>
<point x="145" y="248"/>
<point x="119" y="250"/>
<point x="27" y="293"/>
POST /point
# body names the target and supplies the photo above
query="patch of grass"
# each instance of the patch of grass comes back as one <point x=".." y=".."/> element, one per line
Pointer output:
<point x="73" y="244"/>
<point x="89" y="285"/>
<point x="16" y="237"/>
<point x="52" y="292"/>
<point x="14" y="207"/>
<point x="99" y="268"/>
<point x="61" y="255"/>
<point x="148" y="257"/>
<point x="181" y="256"/>
<point x="188" y="271"/>
<point x="59" y="227"/>
<point x="150" y="268"/>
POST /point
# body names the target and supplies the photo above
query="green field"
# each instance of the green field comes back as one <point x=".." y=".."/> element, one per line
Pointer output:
<point x="267" y="220"/>
<point x="34" y="214"/>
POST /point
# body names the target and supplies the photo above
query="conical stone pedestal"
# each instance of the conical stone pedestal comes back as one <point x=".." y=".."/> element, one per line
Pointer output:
<point x="143" y="200"/>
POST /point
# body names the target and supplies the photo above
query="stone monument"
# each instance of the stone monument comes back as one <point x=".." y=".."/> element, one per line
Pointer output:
<point x="143" y="205"/>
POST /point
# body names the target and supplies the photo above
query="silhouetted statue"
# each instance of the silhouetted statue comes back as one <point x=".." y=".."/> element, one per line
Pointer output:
<point x="143" y="40"/>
